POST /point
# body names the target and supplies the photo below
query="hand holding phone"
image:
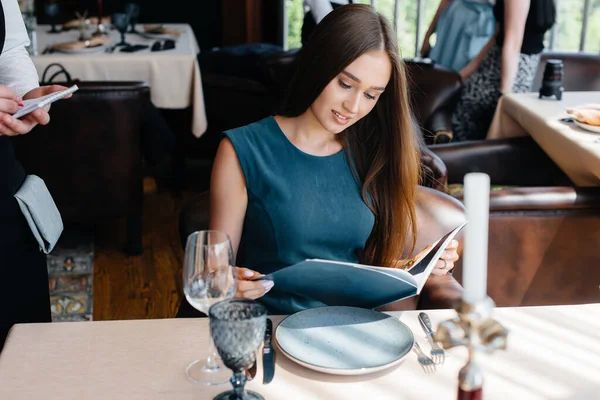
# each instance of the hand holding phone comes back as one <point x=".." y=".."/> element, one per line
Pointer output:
<point x="40" y="102"/>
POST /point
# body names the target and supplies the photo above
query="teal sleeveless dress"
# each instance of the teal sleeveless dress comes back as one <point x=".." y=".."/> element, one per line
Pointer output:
<point x="300" y="206"/>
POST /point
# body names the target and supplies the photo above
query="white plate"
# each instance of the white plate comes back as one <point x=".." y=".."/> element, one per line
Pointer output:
<point x="587" y="127"/>
<point x="344" y="340"/>
<point x="82" y="50"/>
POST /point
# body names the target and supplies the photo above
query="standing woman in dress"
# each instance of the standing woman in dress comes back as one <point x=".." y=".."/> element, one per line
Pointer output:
<point x="334" y="174"/>
<point x="462" y="28"/>
<point x="24" y="293"/>
<point x="508" y="63"/>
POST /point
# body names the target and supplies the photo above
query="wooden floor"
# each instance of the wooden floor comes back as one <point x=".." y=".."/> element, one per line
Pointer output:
<point x="148" y="286"/>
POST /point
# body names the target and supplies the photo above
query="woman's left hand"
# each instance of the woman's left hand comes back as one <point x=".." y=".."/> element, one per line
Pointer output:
<point x="446" y="262"/>
<point x="11" y="126"/>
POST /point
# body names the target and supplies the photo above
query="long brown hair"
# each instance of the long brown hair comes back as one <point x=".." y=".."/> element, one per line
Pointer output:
<point x="382" y="146"/>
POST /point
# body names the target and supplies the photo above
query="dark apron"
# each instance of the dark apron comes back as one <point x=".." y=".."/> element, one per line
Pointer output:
<point x="23" y="275"/>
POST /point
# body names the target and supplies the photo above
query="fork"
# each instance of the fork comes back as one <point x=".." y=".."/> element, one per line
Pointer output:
<point x="437" y="353"/>
<point x="426" y="363"/>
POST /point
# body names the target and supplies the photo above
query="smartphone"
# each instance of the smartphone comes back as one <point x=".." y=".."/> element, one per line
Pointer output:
<point x="34" y="104"/>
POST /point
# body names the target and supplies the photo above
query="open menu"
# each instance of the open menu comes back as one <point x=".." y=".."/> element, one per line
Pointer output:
<point x="347" y="284"/>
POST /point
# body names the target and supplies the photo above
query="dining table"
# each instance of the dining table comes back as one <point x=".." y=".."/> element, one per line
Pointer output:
<point x="173" y="74"/>
<point x="575" y="150"/>
<point x="553" y="352"/>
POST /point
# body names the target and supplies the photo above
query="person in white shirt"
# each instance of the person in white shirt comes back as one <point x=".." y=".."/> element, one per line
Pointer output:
<point x="24" y="289"/>
<point x="315" y="11"/>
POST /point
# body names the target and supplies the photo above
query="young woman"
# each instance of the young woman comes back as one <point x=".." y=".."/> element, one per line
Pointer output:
<point x="508" y="63"/>
<point x="333" y="175"/>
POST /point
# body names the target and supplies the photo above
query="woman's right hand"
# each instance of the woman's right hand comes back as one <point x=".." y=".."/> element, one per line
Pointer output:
<point x="249" y="289"/>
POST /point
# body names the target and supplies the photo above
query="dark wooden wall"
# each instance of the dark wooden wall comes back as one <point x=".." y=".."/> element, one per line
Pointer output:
<point x="217" y="23"/>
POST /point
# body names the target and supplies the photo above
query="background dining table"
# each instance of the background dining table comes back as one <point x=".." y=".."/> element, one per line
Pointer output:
<point x="173" y="75"/>
<point x="553" y="353"/>
<point x="575" y="150"/>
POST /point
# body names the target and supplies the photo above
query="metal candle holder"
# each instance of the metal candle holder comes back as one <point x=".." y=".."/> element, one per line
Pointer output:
<point x="474" y="328"/>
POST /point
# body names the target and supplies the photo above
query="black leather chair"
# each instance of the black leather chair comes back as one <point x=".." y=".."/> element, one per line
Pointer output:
<point x="90" y="155"/>
<point x="434" y="92"/>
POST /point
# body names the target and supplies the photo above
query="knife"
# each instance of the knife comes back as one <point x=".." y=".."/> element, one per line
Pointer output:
<point x="268" y="357"/>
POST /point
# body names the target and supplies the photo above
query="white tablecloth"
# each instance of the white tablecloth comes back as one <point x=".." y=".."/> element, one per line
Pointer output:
<point x="553" y="353"/>
<point x="173" y="75"/>
<point x="575" y="150"/>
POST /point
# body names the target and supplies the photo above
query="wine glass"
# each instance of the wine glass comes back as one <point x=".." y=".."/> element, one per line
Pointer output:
<point x="52" y="10"/>
<point x="133" y="10"/>
<point x="238" y="328"/>
<point x="121" y="21"/>
<point x="208" y="277"/>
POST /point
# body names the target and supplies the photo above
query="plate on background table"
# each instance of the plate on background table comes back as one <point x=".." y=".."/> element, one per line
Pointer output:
<point x="82" y="50"/>
<point x="92" y="45"/>
<point x="587" y="127"/>
<point x="159" y="36"/>
<point x="160" y="32"/>
<point x="344" y="340"/>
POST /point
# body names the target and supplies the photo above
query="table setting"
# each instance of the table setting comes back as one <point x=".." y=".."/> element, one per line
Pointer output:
<point x="564" y="124"/>
<point x="552" y="353"/>
<point x="336" y="340"/>
<point x="118" y="37"/>
<point x="571" y="143"/>
<point x="168" y="63"/>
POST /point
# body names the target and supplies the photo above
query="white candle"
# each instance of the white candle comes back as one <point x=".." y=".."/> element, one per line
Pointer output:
<point x="477" y="202"/>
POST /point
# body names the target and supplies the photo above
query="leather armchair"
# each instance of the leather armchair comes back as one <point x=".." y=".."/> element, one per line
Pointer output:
<point x="544" y="233"/>
<point x="437" y="214"/>
<point x="90" y="154"/>
<point x="241" y="84"/>
<point x="434" y="92"/>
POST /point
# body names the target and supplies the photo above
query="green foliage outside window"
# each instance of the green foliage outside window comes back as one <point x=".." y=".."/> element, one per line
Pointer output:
<point x="569" y="22"/>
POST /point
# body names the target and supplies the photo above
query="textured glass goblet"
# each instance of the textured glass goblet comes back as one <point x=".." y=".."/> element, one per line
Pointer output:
<point x="52" y="10"/>
<point x="121" y="21"/>
<point x="133" y="10"/>
<point x="238" y="328"/>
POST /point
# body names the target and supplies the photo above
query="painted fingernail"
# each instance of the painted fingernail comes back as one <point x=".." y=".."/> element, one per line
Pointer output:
<point x="267" y="285"/>
<point x="248" y="273"/>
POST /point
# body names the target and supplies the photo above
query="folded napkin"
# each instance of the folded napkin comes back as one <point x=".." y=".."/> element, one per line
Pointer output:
<point x="161" y="30"/>
<point x="587" y="114"/>
<point x="81" y="44"/>
<point x="74" y="23"/>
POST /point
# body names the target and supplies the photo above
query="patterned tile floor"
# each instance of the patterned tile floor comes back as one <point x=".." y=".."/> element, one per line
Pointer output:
<point x="70" y="270"/>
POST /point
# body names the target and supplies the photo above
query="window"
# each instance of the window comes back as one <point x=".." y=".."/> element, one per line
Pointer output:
<point x="413" y="15"/>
